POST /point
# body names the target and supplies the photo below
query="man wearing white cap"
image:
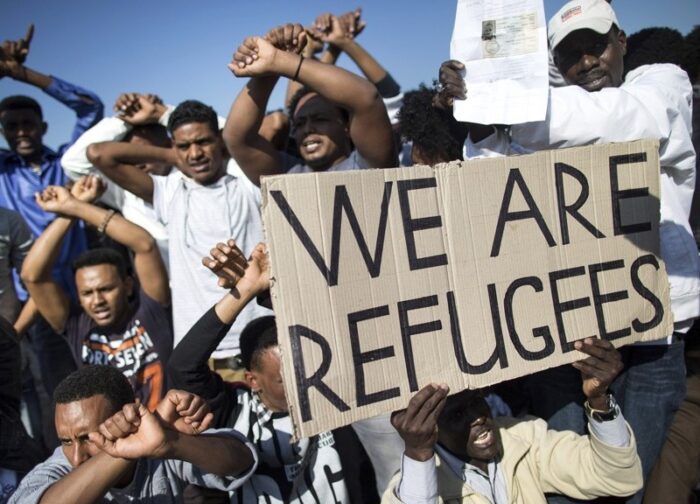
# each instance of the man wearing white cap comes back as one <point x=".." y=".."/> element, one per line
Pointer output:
<point x="599" y="106"/>
<point x="653" y="101"/>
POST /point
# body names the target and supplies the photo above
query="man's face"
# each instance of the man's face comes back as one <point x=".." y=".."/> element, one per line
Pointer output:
<point x="23" y="129"/>
<point x="102" y="293"/>
<point x="590" y="60"/>
<point x="320" y="132"/>
<point x="75" y="420"/>
<point x="266" y="380"/>
<point x="465" y="427"/>
<point x="200" y="152"/>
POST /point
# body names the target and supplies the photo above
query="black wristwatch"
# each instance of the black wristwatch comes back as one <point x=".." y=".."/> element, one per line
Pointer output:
<point x="603" y="416"/>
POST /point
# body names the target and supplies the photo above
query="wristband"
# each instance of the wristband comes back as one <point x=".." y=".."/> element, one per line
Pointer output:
<point x="296" y="74"/>
<point x="103" y="225"/>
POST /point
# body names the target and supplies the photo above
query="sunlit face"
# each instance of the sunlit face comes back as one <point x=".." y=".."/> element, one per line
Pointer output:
<point x="591" y="60"/>
<point x="320" y="132"/>
<point x="266" y="380"/>
<point x="465" y="427"/>
<point x="23" y="129"/>
<point x="75" y="420"/>
<point x="102" y="293"/>
<point x="200" y="152"/>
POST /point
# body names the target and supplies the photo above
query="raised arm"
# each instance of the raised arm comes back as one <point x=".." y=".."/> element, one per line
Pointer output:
<point x="187" y="367"/>
<point x="148" y="263"/>
<point x="130" y="112"/>
<point x="254" y="153"/>
<point x="370" y="129"/>
<point x="50" y="299"/>
<point x="118" y="160"/>
<point x="341" y="32"/>
<point x="313" y="47"/>
<point x="87" y="105"/>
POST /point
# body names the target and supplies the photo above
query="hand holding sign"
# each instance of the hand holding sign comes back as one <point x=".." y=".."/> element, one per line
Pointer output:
<point x="599" y="370"/>
<point x="417" y="424"/>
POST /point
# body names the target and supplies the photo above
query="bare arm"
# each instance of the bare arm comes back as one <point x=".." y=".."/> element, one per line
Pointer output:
<point x="313" y="47"/>
<point x="118" y="160"/>
<point x="50" y="299"/>
<point x="370" y="129"/>
<point x="340" y="33"/>
<point x="89" y="482"/>
<point x="255" y="154"/>
<point x="26" y="317"/>
<point x="134" y="432"/>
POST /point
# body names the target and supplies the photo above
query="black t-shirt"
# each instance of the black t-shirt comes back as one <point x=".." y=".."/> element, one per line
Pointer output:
<point x="140" y="349"/>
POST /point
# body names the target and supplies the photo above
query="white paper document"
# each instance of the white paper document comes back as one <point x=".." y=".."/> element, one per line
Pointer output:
<point x="503" y="45"/>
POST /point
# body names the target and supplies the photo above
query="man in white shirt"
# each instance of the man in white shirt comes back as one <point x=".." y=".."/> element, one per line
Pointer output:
<point x="599" y="106"/>
<point x="455" y="451"/>
<point x="199" y="204"/>
<point x="142" y="120"/>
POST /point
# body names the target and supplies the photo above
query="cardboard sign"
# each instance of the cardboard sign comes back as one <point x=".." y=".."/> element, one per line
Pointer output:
<point x="469" y="273"/>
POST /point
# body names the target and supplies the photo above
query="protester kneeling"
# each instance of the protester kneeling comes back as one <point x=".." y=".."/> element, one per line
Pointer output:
<point x="114" y="449"/>
<point x="454" y="449"/>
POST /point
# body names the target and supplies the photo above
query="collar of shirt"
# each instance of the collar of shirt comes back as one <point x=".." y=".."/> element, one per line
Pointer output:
<point x="47" y="156"/>
<point x="490" y="485"/>
<point x="264" y="415"/>
<point x="191" y="185"/>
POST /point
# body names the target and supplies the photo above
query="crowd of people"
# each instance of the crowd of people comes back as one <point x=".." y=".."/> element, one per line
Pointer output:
<point x="139" y="359"/>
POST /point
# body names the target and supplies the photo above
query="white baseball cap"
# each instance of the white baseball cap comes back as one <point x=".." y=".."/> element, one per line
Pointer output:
<point x="596" y="15"/>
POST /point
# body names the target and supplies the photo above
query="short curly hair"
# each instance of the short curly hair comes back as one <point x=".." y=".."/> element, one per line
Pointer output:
<point x="434" y="131"/>
<point x="654" y="45"/>
<point x="89" y="381"/>
<point x="21" y="102"/>
<point x="191" y="111"/>
<point x="102" y="255"/>
<point x="259" y="335"/>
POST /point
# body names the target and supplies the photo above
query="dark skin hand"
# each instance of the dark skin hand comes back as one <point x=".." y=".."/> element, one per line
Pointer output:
<point x="452" y="82"/>
<point x="287" y="37"/>
<point x="598" y="370"/>
<point x="417" y="424"/>
<point x="14" y="53"/>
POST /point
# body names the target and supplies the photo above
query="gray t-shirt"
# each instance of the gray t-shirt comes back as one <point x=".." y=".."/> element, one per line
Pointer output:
<point x="155" y="481"/>
<point x="353" y="162"/>
<point x="15" y="242"/>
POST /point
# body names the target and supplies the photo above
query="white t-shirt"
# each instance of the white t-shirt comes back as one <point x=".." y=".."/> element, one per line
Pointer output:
<point x="197" y="217"/>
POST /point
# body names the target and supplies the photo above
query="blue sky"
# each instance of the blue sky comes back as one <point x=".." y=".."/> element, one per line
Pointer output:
<point x="179" y="49"/>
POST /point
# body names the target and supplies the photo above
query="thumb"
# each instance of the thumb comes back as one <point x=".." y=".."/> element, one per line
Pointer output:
<point x="29" y="35"/>
<point x="302" y="40"/>
<point x="143" y="410"/>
